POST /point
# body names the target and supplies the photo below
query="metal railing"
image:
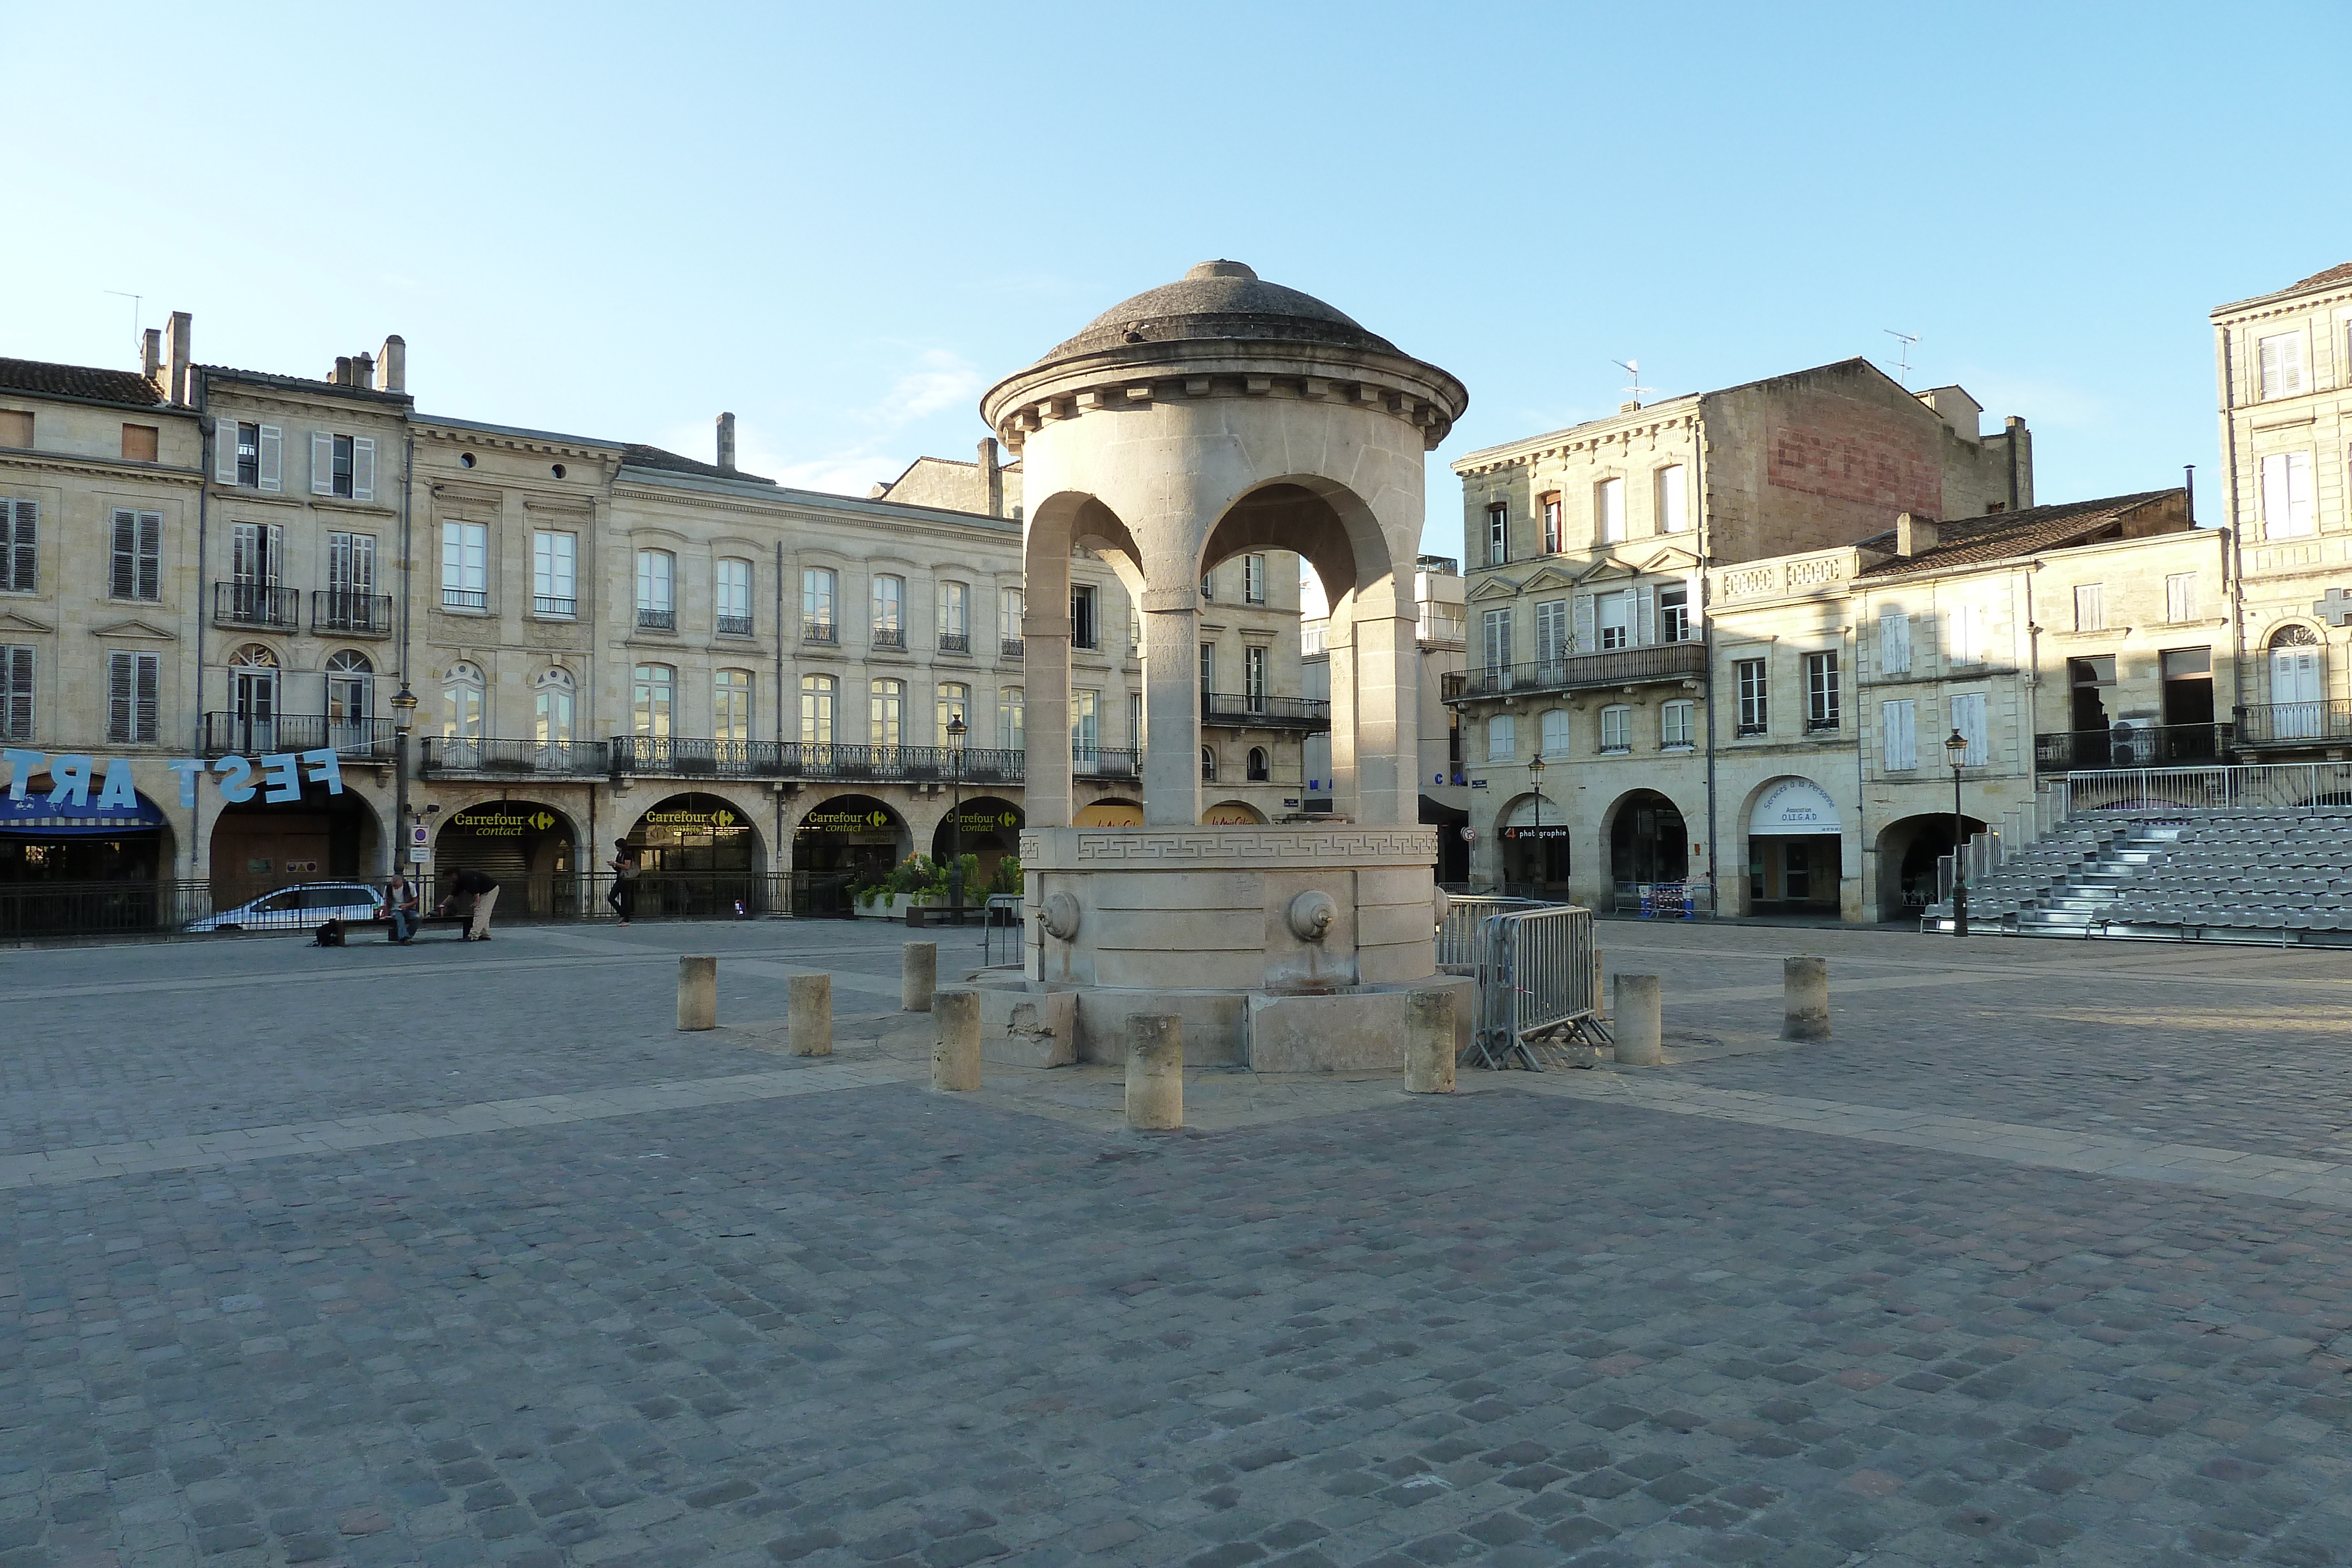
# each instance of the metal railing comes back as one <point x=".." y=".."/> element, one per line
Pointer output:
<point x="2249" y="787"/>
<point x="1539" y="976"/>
<point x="735" y="626"/>
<point x="823" y="632"/>
<point x="544" y="758"/>
<point x="1458" y="932"/>
<point x="465" y="598"/>
<point x="555" y="606"/>
<point x="1106" y="762"/>
<point x="352" y="612"/>
<point x="1615" y="667"/>
<point x="2138" y="745"/>
<point x="1003" y="913"/>
<point x="652" y="620"/>
<point x="1666" y="899"/>
<point x="1010" y="647"/>
<point x="2294" y="724"/>
<point x="1256" y="710"/>
<point x="238" y="734"/>
<point x="1442" y="626"/>
<point x="889" y="636"/>
<point x="257" y="604"/>
<point x="686" y="757"/>
<point x="955" y="642"/>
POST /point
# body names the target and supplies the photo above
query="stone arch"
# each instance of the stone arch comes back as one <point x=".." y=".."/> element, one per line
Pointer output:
<point x="1795" y="854"/>
<point x="532" y="846"/>
<point x="1647" y="834"/>
<point x="1907" y="852"/>
<point x="1323" y="522"/>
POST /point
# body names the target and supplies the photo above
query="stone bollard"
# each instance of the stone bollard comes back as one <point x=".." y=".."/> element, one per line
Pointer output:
<point x="1637" y="1023"/>
<point x="955" y="1054"/>
<point x="1155" y="1071"/>
<point x="811" y="1017"/>
<point x="698" y="993"/>
<point x="1807" y="984"/>
<point x="1429" y="1042"/>
<point x="918" y="976"/>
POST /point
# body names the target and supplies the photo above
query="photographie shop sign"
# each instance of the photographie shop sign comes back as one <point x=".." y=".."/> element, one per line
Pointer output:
<point x="277" y="778"/>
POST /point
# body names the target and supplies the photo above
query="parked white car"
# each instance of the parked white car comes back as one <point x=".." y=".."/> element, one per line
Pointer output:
<point x="302" y="907"/>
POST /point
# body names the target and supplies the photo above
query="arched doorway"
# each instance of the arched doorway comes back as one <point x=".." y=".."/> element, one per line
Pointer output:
<point x="257" y="847"/>
<point x="1649" y="849"/>
<point x="990" y="829"/>
<point x="1795" y="850"/>
<point x="2297" y="684"/>
<point x="700" y="860"/>
<point x="1908" y="849"/>
<point x="1112" y="813"/>
<point x="530" y="849"/>
<point x="1233" y="814"/>
<point x="1533" y="832"/>
<point x="844" y="843"/>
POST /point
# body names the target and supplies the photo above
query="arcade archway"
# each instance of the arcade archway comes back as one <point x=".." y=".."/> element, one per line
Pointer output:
<point x="843" y="842"/>
<point x="1648" y="840"/>
<point x="530" y="848"/>
<point x="1908" y="849"/>
<point x="1533" y="832"/>
<point x="256" y="846"/>
<point x="699" y="859"/>
<point x="990" y="829"/>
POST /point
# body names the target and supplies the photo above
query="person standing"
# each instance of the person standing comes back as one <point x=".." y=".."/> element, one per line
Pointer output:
<point x="400" y="901"/>
<point x="485" y="889"/>
<point x="624" y="896"/>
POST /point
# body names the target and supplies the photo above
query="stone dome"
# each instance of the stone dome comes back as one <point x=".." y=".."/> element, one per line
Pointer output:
<point x="1219" y="299"/>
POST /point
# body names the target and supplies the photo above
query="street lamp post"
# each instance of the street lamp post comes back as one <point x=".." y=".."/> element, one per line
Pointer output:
<point x="404" y="719"/>
<point x="1956" y="748"/>
<point x="1534" y="782"/>
<point x="957" y="730"/>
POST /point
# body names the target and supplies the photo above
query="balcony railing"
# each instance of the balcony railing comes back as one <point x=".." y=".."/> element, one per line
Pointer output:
<point x="1246" y="710"/>
<point x="237" y="734"/>
<point x="257" y="604"/>
<point x="652" y="620"/>
<point x="889" y="636"/>
<point x="2141" y="746"/>
<point x="955" y="642"/>
<point x="1442" y="627"/>
<point x="1010" y="647"/>
<point x="1616" y="667"/>
<point x="555" y="606"/>
<point x="540" y="759"/>
<point x="678" y="757"/>
<point x="1104" y="762"/>
<point x="2294" y="724"/>
<point x="465" y="598"/>
<point x="352" y="612"/>
<point x="823" y="632"/>
<point x="735" y="625"/>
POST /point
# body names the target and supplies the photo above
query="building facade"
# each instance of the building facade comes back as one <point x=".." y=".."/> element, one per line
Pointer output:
<point x="604" y="641"/>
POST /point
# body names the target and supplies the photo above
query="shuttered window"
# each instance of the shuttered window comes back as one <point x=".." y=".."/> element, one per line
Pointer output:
<point x="1894" y="645"/>
<point x="343" y="465"/>
<point x="15" y="692"/>
<point x="2282" y="365"/>
<point x="1898" y="735"/>
<point x="1969" y="718"/>
<point x="132" y="682"/>
<point x="2180" y="596"/>
<point x="20" y="553"/>
<point x="138" y="555"/>
<point x="1551" y="630"/>
<point x="2287" y="510"/>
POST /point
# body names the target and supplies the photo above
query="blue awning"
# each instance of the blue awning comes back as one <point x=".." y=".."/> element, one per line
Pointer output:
<point x="35" y="817"/>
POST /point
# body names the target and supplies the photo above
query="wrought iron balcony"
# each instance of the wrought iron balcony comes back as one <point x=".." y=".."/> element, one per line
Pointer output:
<point x="555" y="606"/>
<point x="889" y="636"/>
<point x="955" y="642"/>
<point x="2294" y="724"/>
<point x="2141" y="746"/>
<point x="257" y="604"/>
<point x="652" y="620"/>
<point x="442" y="754"/>
<point x="1227" y="710"/>
<point x="735" y="625"/>
<point x="465" y="598"/>
<point x="823" y="632"/>
<point x="248" y="735"/>
<point x="350" y="611"/>
<point x="1010" y="647"/>
<point x="1106" y="762"/>
<point x="1615" y="667"/>
<point x="686" y="757"/>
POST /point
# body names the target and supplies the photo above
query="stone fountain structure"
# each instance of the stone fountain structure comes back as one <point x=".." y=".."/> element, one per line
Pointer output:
<point x="1213" y="416"/>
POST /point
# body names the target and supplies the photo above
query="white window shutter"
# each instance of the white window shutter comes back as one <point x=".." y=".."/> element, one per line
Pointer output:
<point x="147" y="707"/>
<point x="364" y="469"/>
<point x="1969" y="718"/>
<point x="120" y="698"/>
<point x="1646" y="615"/>
<point x="1584" y="635"/>
<point x="274" y="555"/>
<point x="225" y="451"/>
<point x="2269" y="350"/>
<point x="273" y="443"/>
<point x="1894" y="643"/>
<point x="322" y="463"/>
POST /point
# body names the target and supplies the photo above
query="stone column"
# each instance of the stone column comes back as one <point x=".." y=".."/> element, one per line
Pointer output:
<point x="1171" y="708"/>
<point x="1338" y="644"/>
<point x="1387" y="699"/>
<point x="1045" y="674"/>
<point x="1429" y="1042"/>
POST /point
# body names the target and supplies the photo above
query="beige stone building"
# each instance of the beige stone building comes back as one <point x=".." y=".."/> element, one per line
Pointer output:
<point x="2283" y="364"/>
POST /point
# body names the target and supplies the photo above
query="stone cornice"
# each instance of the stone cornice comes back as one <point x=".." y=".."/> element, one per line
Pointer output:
<point x="106" y="467"/>
<point x="1142" y="373"/>
<point x="1622" y="430"/>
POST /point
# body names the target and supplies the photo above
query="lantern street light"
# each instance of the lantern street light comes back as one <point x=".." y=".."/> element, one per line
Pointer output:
<point x="957" y="730"/>
<point x="404" y="719"/>
<point x="1534" y="782"/>
<point x="1956" y="748"/>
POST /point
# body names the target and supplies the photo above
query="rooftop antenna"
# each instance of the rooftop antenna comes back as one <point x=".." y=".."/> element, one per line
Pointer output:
<point x="1903" y="361"/>
<point x="1634" y="392"/>
<point x="135" y="301"/>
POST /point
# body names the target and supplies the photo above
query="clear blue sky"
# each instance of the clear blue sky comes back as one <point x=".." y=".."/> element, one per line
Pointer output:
<point x="842" y="222"/>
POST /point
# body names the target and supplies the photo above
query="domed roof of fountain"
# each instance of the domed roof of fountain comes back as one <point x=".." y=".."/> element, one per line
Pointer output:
<point x="1220" y="300"/>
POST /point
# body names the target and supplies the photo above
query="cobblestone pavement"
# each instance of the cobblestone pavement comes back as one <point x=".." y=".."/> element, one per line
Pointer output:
<point x="874" y="1325"/>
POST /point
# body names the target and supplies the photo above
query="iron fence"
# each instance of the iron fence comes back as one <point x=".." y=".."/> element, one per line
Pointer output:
<point x="2296" y="724"/>
<point x="2252" y="787"/>
<point x="257" y="604"/>
<point x="245" y="734"/>
<point x="1616" y="667"/>
<point x="541" y="758"/>
<point x="1257" y="710"/>
<point x="2137" y="746"/>
<point x="351" y="610"/>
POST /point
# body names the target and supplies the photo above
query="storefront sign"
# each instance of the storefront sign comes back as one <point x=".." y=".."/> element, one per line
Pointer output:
<point x="846" y="821"/>
<point x="1110" y="814"/>
<point x="718" y="821"/>
<point x="281" y="775"/>
<point x="35" y="817"/>
<point x="1232" y="814"/>
<point x="489" y="822"/>
<point x="1794" y="806"/>
<point x="988" y="821"/>
<point x="1532" y="834"/>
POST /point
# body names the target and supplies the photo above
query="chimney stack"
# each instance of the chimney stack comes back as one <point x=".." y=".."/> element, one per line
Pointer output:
<point x="151" y="353"/>
<point x="391" y="365"/>
<point x="341" y="375"/>
<point x="362" y="370"/>
<point x="177" y="350"/>
<point x="991" y="478"/>
<point x="727" y="442"/>
<point x="1914" y="534"/>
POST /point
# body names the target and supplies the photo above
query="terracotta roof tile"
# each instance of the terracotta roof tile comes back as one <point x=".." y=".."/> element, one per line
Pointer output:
<point x="635" y="456"/>
<point x="78" y="380"/>
<point x="2004" y="536"/>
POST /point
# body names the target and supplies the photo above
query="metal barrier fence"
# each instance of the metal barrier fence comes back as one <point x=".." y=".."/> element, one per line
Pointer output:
<point x="1539" y="976"/>
<point x="1003" y="914"/>
<point x="1666" y="899"/>
<point x="1457" y="934"/>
